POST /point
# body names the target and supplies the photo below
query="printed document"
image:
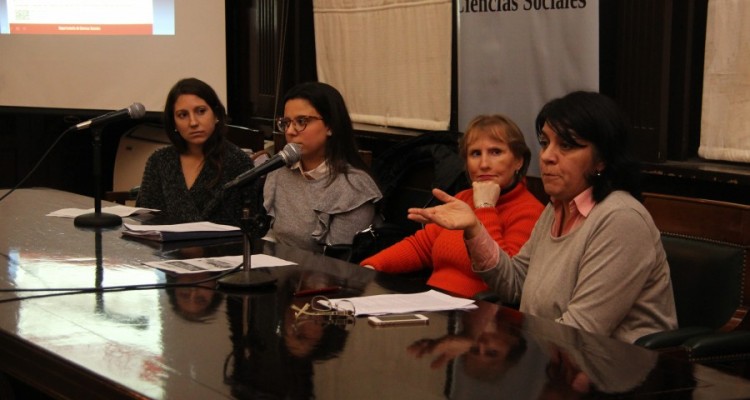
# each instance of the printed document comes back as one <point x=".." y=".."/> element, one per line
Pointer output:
<point x="122" y="211"/>
<point x="431" y="300"/>
<point x="216" y="264"/>
<point x="188" y="230"/>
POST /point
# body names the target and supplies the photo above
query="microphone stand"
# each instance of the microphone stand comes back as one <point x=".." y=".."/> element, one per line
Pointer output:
<point x="252" y="228"/>
<point x="97" y="218"/>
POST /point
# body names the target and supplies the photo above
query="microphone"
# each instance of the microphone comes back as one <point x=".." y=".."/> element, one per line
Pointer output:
<point x="134" y="111"/>
<point x="289" y="155"/>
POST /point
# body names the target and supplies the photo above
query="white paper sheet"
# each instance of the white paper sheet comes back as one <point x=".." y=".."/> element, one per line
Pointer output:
<point x="122" y="211"/>
<point x="431" y="300"/>
<point x="216" y="264"/>
<point x="186" y="227"/>
<point x="184" y="231"/>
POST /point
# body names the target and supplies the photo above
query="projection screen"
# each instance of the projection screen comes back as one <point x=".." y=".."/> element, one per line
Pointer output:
<point x="107" y="54"/>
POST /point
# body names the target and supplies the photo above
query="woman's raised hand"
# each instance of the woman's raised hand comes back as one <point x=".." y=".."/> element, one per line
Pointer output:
<point x="453" y="214"/>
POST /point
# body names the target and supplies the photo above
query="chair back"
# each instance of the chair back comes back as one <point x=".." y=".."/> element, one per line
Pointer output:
<point x="706" y="278"/>
<point x="246" y="138"/>
<point x="408" y="171"/>
<point x="707" y="244"/>
<point x="134" y="149"/>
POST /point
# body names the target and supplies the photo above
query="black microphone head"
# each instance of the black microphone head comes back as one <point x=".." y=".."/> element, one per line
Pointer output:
<point x="136" y="111"/>
<point x="291" y="153"/>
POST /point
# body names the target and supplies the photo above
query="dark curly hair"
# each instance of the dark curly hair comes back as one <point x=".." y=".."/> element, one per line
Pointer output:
<point x="596" y="118"/>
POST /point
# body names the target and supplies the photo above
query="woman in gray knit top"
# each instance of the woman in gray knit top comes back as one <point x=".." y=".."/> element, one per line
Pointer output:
<point x="594" y="259"/>
<point x="185" y="180"/>
<point x="326" y="197"/>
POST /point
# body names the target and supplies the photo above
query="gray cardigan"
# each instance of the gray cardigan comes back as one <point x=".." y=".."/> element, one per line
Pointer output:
<point x="609" y="276"/>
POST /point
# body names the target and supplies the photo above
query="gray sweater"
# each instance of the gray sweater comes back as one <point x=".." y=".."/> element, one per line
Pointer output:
<point x="308" y="214"/>
<point x="608" y="276"/>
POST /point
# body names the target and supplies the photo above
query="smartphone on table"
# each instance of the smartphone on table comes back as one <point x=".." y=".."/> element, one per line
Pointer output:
<point x="398" y="319"/>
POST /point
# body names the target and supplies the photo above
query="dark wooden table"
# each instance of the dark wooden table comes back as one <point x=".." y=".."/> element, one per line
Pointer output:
<point x="200" y="343"/>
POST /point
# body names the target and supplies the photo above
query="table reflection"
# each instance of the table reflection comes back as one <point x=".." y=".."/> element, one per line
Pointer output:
<point x="140" y="322"/>
<point x="488" y="348"/>
<point x="194" y="296"/>
<point x="491" y="350"/>
<point x="273" y="349"/>
<point x="581" y="363"/>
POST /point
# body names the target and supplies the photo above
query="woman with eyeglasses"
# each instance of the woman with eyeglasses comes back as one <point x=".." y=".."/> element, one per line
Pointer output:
<point x="185" y="180"/>
<point x="328" y="196"/>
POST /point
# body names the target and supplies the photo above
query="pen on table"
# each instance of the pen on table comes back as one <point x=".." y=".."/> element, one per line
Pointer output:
<point x="311" y="292"/>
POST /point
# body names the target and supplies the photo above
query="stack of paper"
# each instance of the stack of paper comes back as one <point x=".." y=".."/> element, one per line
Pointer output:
<point x="214" y="264"/>
<point x="189" y="230"/>
<point x="403" y="303"/>
<point x="122" y="211"/>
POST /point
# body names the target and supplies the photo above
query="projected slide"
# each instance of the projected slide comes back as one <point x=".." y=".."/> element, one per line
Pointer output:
<point x="87" y="17"/>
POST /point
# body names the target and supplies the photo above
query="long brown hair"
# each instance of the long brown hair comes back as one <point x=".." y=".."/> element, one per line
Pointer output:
<point x="212" y="148"/>
<point x="341" y="147"/>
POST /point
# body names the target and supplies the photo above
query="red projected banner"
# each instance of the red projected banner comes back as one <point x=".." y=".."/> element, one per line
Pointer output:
<point x="81" y="29"/>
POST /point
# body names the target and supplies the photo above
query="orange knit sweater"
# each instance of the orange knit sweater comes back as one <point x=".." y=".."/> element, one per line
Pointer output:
<point x="509" y="223"/>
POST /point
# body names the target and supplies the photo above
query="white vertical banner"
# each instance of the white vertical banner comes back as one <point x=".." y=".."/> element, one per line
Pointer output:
<point x="725" y="127"/>
<point x="516" y="55"/>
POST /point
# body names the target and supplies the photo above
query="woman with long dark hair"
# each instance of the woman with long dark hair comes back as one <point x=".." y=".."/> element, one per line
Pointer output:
<point x="185" y="180"/>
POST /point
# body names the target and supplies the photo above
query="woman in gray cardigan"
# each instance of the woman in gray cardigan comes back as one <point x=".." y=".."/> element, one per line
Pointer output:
<point x="594" y="259"/>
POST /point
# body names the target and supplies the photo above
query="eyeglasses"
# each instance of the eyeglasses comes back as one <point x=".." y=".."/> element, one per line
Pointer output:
<point x="299" y="123"/>
<point x="322" y="308"/>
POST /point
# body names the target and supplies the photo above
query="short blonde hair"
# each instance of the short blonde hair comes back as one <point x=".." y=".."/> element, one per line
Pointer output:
<point x="500" y="128"/>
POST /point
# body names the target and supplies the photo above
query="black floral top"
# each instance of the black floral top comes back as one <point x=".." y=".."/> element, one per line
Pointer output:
<point x="163" y="187"/>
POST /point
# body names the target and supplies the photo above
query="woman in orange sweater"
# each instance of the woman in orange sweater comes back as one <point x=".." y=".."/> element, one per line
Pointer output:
<point x="496" y="158"/>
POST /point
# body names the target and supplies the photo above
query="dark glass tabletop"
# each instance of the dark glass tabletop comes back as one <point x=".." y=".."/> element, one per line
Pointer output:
<point x="133" y="331"/>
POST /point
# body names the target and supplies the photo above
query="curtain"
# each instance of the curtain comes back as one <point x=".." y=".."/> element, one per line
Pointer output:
<point x="390" y="59"/>
<point x="725" y="126"/>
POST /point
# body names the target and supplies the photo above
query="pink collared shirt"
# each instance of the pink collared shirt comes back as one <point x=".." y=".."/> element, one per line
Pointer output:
<point x="485" y="252"/>
<point x="578" y="208"/>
